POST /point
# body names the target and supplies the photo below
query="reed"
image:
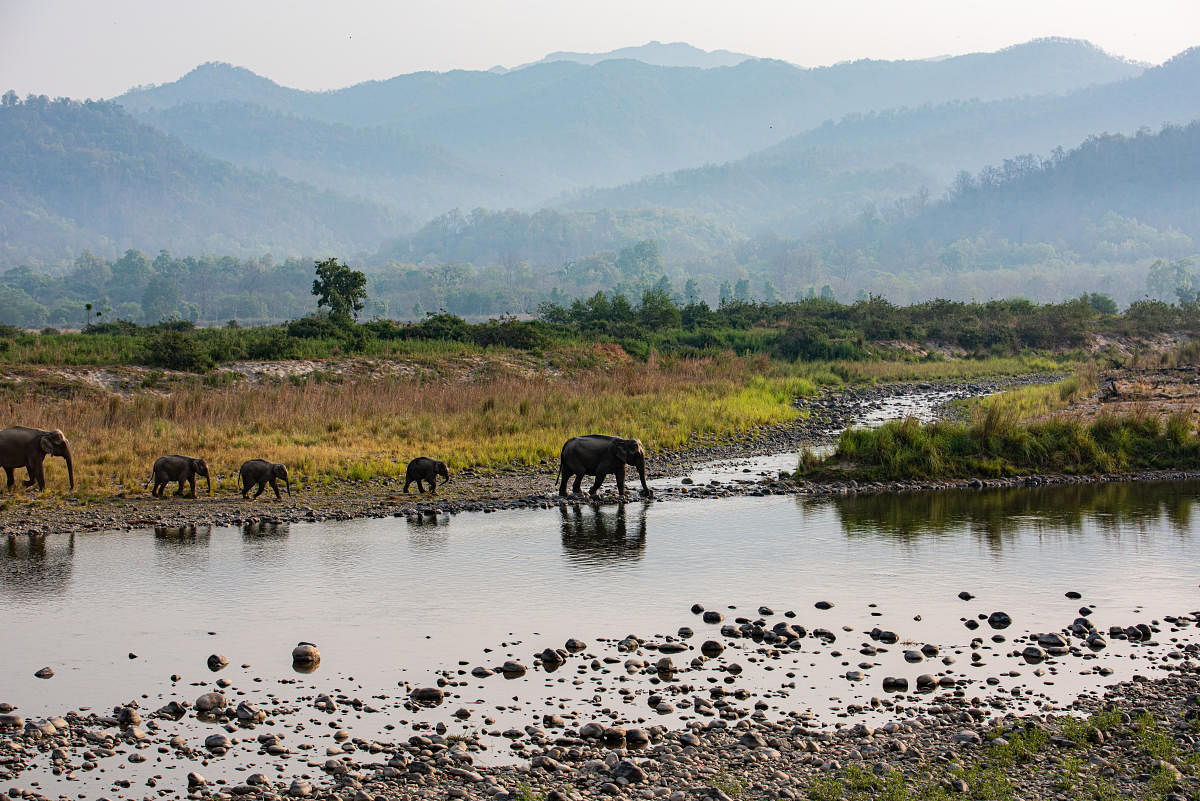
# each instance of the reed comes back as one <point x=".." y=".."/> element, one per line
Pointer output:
<point x="497" y="416"/>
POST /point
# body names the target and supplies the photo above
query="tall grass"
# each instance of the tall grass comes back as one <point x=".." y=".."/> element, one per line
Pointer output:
<point x="364" y="428"/>
<point x="996" y="444"/>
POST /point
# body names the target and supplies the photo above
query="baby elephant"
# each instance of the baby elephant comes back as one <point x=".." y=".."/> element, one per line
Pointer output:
<point x="178" y="468"/>
<point x="425" y="469"/>
<point x="262" y="472"/>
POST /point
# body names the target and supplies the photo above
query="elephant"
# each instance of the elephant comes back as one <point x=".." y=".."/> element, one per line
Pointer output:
<point x="28" y="447"/>
<point x="262" y="472"/>
<point x="181" y="469"/>
<point x="425" y="469"/>
<point x="598" y="455"/>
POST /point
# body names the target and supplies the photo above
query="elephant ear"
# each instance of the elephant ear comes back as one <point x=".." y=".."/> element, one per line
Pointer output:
<point x="621" y="449"/>
<point x="46" y="443"/>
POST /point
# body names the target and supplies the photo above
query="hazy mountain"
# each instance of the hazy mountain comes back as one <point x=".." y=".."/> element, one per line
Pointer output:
<point x="838" y="169"/>
<point x="387" y="166"/>
<point x="76" y="175"/>
<point x="673" y="54"/>
<point x="562" y="125"/>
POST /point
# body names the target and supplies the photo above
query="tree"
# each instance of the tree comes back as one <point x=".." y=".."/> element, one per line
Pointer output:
<point x="341" y="289"/>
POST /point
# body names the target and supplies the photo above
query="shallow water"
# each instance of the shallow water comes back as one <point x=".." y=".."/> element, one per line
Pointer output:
<point x="393" y="601"/>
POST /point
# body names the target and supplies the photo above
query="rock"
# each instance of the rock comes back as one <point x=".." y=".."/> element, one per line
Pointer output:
<point x="45" y="673"/>
<point x="1074" y="596"/>
<point x="712" y="648"/>
<point x="217" y="662"/>
<point x="966" y="596"/>
<point x="752" y="739"/>
<point x="895" y="684"/>
<point x="195" y="780"/>
<point x="913" y="656"/>
<point x="823" y="605"/>
<point x="217" y="742"/>
<point x="999" y="620"/>
<point x="427" y="696"/>
<point x="512" y="669"/>
<point x="629" y="772"/>
<point x="305" y="654"/>
<point x="172" y="710"/>
<point x="10" y="721"/>
<point x="210" y="702"/>
<point x="926" y="682"/>
<point x="128" y="716"/>
<point x="300" y="789"/>
<point x="712" y="617"/>
<point x="1033" y="654"/>
<point x="481" y="672"/>
<point x="637" y="738"/>
<point x="248" y="713"/>
<point x="967" y="736"/>
<point x="574" y="645"/>
<point x="1051" y="640"/>
<point x="552" y="658"/>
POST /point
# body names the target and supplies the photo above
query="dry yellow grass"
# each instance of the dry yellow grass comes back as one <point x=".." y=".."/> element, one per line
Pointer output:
<point x="362" y="429"/>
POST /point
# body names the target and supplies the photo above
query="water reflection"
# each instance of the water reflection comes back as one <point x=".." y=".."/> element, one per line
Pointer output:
<point x="264" y="530"/>
<point x="997" y="516"/>
<point x="29" y="565"/>
<point x="185" y="536"/>
<point x="595" y="535"/>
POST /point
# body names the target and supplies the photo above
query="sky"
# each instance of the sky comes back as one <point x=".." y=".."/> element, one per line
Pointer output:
<point x="100" y="48"/>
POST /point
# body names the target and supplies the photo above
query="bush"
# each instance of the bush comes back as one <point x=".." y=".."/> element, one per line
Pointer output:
<point x="272" y="344"/>
<point x="114" y="328"/>
<point x="510" y="333"/>
<point x="177" y="351"/>
<point x="9" y="331"/>
<point x="315" y="326"/>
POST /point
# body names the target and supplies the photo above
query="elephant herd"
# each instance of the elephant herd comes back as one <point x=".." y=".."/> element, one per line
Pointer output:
<point x="597" y="455"/>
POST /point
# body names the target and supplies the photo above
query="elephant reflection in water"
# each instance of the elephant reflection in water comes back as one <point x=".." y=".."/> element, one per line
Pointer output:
<point x="182" y="536"/>
<point x="27" y="564"/>
<point x="602" y="535"/>
<point x="264" y="530"/>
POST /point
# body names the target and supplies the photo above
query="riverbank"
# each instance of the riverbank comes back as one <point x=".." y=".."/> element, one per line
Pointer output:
<point x="816" y="420"/>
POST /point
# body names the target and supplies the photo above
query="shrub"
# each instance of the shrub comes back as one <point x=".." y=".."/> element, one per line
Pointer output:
<point x="177" y="351"/>
<point x="510" y="333"/>
<point x="314" y="326"/>
<point x="272" y="344"/>
<point x="115" y="327"/>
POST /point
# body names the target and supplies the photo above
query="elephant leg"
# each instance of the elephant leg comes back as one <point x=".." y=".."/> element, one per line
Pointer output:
<point x="275" y="487"/>
<point x="179" y="491"/>
<point x="562" y="488"/>
<point x="407" y="481"/>
<point x="575" y="490"/>
<point x="433" y="485"/>
<point x="37" y="474"/>
<point x="8" y="471"/>
<point x="619" y="473"/>
<point x="594" y="491"/>
<point x="192" y="482"/>
<point x="261" y="486"/>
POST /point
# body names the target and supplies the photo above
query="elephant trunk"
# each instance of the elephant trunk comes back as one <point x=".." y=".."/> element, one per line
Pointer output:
<point x="70" y="465"/>
<point x="641" y="468"/>
<point x="208" y="478"/>
<point x="288" y="483"/>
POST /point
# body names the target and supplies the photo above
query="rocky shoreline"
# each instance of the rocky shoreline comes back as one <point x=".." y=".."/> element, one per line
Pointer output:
<point x="952" y="736"/>
<point x="526" y="487"/>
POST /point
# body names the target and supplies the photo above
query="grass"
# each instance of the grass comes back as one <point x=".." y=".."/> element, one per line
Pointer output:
<point x="999" y="441"/>
<point x="497" y="415"/>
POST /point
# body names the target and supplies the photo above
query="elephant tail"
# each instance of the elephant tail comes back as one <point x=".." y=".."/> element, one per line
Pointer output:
<point x="239" y="481"/>
<point x="558" y="475"/>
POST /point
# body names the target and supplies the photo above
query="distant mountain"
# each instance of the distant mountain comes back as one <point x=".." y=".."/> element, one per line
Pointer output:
<point x="673" y="54"/>
<point x="561" y="125"/>
<point x="88" y="175"/>
<point x="387" y="166"/>
<point x="839" y="168"/>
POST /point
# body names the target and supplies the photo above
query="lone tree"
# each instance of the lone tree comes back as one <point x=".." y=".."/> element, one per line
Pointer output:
<point x="340" y="288"/>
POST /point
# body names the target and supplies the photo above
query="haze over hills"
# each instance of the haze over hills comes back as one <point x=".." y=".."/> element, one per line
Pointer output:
<point x="673" y="54"/>
<point x="475" y="191"/>
<point x="838" y="169"/>
<point x="88" y="175"/>
<point x="559" y="126"/>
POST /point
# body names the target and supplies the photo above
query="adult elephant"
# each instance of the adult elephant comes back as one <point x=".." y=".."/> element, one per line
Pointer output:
<point x="28" y="447"/>
<point x="179" y="468"/>
<point x="599" y="455"/>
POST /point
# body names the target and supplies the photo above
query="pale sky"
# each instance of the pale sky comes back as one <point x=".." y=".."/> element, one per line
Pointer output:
<point x="99" y="48"/>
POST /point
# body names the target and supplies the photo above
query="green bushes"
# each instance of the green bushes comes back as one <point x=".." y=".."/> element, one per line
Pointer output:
<point x="995" y="445"/>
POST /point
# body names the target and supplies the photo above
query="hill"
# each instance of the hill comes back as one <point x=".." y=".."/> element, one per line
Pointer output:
<point x="873" y="158"/>
<point x="88" y="175"/>
<point x="673" y="54"/>
<point x="562" y="125"/>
